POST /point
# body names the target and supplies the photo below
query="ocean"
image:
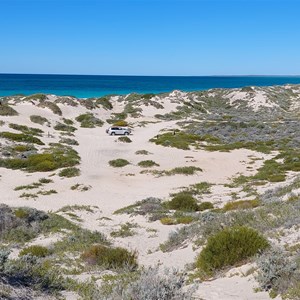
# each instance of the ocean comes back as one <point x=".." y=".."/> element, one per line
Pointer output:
<point x="85" y="86"/>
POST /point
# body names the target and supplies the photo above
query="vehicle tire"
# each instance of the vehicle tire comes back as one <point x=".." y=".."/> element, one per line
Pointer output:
<point x="112" y="133"/>
<point x="126" y="133"/>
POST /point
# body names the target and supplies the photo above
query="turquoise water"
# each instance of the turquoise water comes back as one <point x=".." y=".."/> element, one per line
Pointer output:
<point x="84" y="86"/>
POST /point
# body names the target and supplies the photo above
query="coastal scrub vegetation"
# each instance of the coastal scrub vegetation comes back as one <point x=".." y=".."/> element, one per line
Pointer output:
<point x="26" y="130"/>
<point x="6" y="110"/>
<point x="119" y="163"/>
<point x="230" y="246"/>
<point x="124" y="139"/>
<point x="43" y="269"/>
<point x="109" y="257"/>
<point x="88" y="120"/>
<point x="104" y="102"/>
<point x="55" y="157"/>
<point x="147" y="164"/>
<point x="20" y="137"/>
<point x="176" y="139"/>
<point x="64" y="127"/>
<point x="69" y="172"/>
<point x="39" y="97"/>
<point x="52" y="106"/>
<point x="39" y="119"/>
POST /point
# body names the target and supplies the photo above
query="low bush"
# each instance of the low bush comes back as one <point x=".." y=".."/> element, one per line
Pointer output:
<point x="88" y="120"/>
<point x="35" y="250"/>
<point x="150" y="284"/>
<point x="45" y="180"/>
<point x="68" y="141"/>
<point x="39" y="97"/>
<point x="35" y="273"/>
<point x="38" y="119"/>
<point x="52" y="106"/>
<point x="6" y="110"/>
<point x="26" y="130"/>
<point x="110" y="258"/>
<point x="184" y="202"/>
<point x="205" y="205"/>
<point x="190" y="170"/>
<point x="121" y="123"/>
<point x="68" y="121"/>
<point x="58" y="156"/>
<point x="119" y="163"/>
<point x="23" y="148"/>
<point x="168" y="221"/>
<point x="64" y="127"/>
<point x="142" y="152"/>
<point x="241" y="204"/>
<point x="21" y="137"/>
<point x="175" y="139"/>
<point x="124" y="231"/>
<point x="69" y="172"/>
<point x="147" y="164"/>
<point x="79" y="240"/>
<point x="275" y="270"/>
<point x="124" y="139"/>
<point x="104" y="102"/>
<point x="229" y="247"/>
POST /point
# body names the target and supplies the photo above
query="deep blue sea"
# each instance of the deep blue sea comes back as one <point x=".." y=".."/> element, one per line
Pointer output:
<point x="84" y="86"/>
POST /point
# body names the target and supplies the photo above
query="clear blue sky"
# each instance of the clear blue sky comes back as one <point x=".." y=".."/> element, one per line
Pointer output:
<point x="150" y="37"/>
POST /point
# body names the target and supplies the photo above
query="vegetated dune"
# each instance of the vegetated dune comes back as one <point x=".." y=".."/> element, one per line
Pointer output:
<point x="195" y="165"/>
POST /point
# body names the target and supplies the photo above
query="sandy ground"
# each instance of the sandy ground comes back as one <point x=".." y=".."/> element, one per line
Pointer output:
<point x="114" y="188"/>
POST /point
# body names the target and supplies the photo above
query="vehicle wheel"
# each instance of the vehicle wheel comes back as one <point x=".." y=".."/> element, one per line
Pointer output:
<point x="126" y="133"/>
<point x="112" y="133"/>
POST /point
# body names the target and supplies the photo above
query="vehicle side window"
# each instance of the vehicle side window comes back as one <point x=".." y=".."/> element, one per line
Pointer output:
<point x="114" y="128"/>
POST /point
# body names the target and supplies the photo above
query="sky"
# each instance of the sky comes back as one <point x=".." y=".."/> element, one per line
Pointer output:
<point x="150" y="37"/>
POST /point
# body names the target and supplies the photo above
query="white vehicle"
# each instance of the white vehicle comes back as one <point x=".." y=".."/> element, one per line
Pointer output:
<point x="118" y="130"/>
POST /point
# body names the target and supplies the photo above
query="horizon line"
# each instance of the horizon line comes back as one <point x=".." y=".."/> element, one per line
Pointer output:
<point x="128" y="75"/>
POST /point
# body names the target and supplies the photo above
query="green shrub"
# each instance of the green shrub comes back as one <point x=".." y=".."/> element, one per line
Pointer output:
<point x="241" y="204"/>
<point x="20" y="137"/>
<point x="189" y="170"/>
<point x="121" y="123"/>
<point x="6" y="110"/>
<point x="35" y="250"/>
<point x="110" y="258"/>
<point x="168" y="221"/>
<point x="34" y="185"/>
<point x="183" y="201"/>
<point x="119" y="163"/>
<point x="124" y="139"/>
<point x="205" y="205"/>
<point x="175" y="139"/>
<point x="21" y="213"/>
<point x="147" y="163"/>
<point x="26" y="130"/>
<point x="59" y="157"/>
<point x="142" y="152"/>
<point x="124" y="231"/>
<point x="56" y="223"/>
<point x="68" y="121"/>
<point x="38" y="119"/>
<point x="23" y="148"/>
<point x="52" y="106"/>
<point x="104" y="102"/>
<point x="45" y="180"/>
<point x="88" y="120"/>
<point x="64" y="127"/>
<point x="69" y="172"/>
<point x="68" y="141"/>
<point x="229" y="247"/>
<point x="39" y="97"/>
